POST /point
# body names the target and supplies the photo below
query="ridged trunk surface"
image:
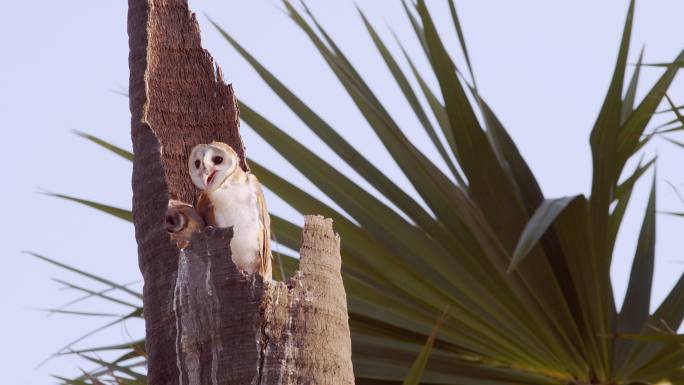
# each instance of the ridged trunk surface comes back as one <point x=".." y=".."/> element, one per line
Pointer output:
<point x="206" y="322"/>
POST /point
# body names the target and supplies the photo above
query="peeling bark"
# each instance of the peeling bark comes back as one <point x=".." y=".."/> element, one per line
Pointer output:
<point x="206" y="322"/>
<point x="235" y="329"/>
<point x="217" y="311"/>
<point x="306" y="322"/>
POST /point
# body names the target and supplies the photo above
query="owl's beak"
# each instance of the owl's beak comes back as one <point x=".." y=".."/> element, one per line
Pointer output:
<point x="210" y="178"/>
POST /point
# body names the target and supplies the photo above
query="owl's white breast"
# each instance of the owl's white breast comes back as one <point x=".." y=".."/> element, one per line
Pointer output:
<point x="236" y="205"/>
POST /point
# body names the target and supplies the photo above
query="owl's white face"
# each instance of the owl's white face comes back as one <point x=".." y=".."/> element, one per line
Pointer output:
<point x="211" y="164"/>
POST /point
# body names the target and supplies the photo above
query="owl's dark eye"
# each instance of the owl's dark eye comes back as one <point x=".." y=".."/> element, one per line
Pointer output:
<point x="197" y="163"/>
<point x="218" y="159"/>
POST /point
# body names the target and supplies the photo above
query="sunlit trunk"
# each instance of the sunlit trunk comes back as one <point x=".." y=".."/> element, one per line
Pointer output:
<point x="207" y="323"/>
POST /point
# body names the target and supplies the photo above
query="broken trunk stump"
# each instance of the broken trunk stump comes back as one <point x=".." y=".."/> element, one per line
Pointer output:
<point x="207" y="323"/>
<point x="236" y="329"/>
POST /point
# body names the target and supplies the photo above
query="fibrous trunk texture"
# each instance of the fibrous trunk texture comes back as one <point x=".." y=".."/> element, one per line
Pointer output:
<point x="206" y="322"/>
<point x="236" y="329"/>
<point x="306" y="324"/>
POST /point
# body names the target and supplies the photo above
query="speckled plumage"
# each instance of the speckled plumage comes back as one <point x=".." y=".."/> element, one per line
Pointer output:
<point x="233" y="197"/>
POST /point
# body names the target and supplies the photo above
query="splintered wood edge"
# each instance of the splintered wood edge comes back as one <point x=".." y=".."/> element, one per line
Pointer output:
<point x="187" y="100"/>
<point x="306" y="316"/>
<point x="289" y="320"/>
<point x="218" y="311"/>
<point x="177" y="100"/>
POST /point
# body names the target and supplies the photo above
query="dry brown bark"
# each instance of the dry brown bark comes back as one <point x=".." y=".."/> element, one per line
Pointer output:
<point x="206" y="322"/>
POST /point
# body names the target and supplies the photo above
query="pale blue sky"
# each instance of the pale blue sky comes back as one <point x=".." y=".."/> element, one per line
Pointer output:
<point x="543" y="66"/>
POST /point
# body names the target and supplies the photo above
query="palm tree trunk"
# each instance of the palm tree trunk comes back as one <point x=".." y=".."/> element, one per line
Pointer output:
<point x="207" y="323"/>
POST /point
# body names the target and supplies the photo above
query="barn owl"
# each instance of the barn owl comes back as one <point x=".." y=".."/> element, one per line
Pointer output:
<point x="181" y="221"/>
<point x="233" y="197"/>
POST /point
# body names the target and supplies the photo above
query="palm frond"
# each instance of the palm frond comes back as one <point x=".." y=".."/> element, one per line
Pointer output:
<point x="525" y="278"/>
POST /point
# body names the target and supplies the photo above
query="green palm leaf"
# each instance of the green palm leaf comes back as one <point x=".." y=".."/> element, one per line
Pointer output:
<point x="416" y="373"/>
<point x="540" y="222"/>
<point x="126" y="215"/>
<point x="526" y="279"/>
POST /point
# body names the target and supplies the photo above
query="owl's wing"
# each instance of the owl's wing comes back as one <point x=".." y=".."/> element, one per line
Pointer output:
<point x="206" y="210"/>
<point x="264" y="230"/>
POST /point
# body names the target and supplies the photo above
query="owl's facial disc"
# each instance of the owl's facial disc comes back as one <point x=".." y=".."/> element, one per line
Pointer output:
<point x="196" y="166"/>
<point x="210" y="165"/>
